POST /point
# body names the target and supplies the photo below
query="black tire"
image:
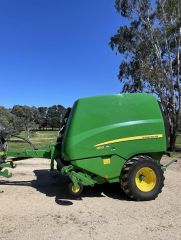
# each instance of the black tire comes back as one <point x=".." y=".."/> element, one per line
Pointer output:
<point x="3" y="149"/>
<point x="138" y="186"/>
<point x="3" y="145"/>
<point x="58" y="168"/>
<point x="75" y="192"/>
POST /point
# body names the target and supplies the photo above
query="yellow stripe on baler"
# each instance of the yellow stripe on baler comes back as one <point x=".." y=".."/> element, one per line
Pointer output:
<point x="130" y="139"/>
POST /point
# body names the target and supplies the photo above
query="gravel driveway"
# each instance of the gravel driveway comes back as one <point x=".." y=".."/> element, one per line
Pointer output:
<point x="36" y="205"/>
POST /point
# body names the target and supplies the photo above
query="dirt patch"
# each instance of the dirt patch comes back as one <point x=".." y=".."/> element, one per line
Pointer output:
<point x="36" y="205"/>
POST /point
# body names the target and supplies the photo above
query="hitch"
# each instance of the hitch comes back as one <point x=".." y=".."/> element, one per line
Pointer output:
<point x="164" y="167"/>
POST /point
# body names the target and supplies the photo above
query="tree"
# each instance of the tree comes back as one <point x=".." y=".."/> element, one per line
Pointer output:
<point x="55" y="116"/>
<point x="151" y="47"/>
<point x="8" y="122"/>
<point x="27" y="117"/>
<point x="43" y="117"/>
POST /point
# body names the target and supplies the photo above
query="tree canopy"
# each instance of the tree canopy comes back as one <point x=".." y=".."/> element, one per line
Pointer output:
<point x="8" y="122"/>
<point x="25" y="118"/>
<point x="151" y="50"/>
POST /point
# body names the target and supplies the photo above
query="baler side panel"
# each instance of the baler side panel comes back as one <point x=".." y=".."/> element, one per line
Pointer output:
<point x="106" y="167"/>
<point x="100" y="119"/>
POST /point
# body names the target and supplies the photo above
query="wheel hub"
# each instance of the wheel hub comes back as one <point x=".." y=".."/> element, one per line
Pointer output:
<point x="145" y="179"/>
<point x="75" y="189"/>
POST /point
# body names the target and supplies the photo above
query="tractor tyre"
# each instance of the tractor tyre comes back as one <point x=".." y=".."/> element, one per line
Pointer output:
<point x="76" y="192"/>
<point x="142" y="178"/>
<point x="3" y="149"/>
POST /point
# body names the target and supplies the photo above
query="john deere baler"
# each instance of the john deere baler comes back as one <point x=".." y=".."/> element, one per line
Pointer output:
<point x="115" y="138"/>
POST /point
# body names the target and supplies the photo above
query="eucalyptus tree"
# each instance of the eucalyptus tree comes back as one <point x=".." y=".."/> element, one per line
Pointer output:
<point x="26" y="117"/>
<point x="151" y="48"/>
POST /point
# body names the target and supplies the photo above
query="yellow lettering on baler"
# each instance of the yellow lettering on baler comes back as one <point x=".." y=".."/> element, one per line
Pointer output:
<point x="153" y="136"/>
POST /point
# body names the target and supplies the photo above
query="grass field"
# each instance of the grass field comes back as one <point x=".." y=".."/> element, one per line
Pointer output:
<point x="41" y="139"/>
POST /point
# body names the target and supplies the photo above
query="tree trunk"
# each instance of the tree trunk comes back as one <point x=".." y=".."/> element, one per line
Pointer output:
<point x="179" y="115"/>
<point x="173" y="133"/>
<point x="172" y="143"/>
<point x="27" y="132"/>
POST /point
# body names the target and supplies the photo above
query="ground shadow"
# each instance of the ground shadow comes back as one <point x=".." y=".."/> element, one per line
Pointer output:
<point x="56" y="185"/>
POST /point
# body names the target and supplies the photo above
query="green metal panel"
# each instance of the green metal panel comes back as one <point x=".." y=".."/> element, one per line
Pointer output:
<point x="106" y="167"/>
<point x="120" y="120"/>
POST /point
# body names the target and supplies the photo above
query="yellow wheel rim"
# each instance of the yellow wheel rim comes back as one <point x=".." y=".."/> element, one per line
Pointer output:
<point x="75" y="189"/>
<point x="145" y="179"/>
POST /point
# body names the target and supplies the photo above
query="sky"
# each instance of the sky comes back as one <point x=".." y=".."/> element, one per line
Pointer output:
<point x="56" y="51"/>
